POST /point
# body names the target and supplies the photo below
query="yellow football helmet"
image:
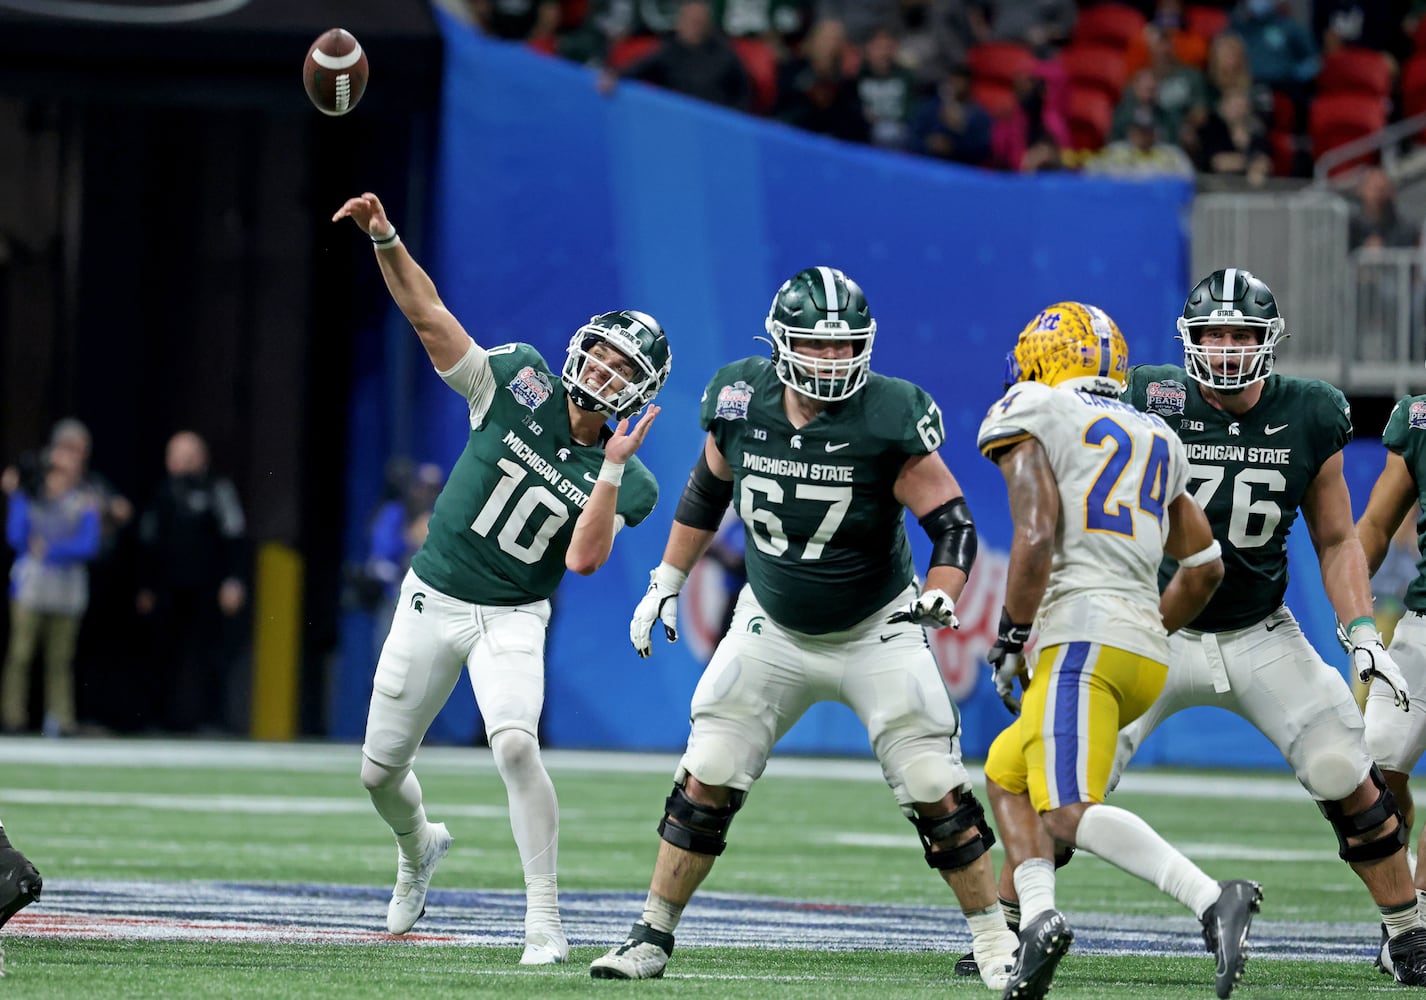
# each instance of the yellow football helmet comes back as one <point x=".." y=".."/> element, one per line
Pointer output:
<point x="1071" y="344"/>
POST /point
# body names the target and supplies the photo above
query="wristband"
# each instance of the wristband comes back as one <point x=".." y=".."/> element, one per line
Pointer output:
<point x="611" y="473"/>
<point x="388" y="241"/>
<point x="1202" y="558"/>
<point x="1364" y="622"/>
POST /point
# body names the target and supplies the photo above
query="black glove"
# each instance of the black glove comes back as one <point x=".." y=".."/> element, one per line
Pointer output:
<point x="1007" y="657"/>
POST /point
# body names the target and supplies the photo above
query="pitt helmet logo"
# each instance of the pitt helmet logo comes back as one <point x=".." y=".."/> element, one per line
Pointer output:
<point x="418" y="601"/>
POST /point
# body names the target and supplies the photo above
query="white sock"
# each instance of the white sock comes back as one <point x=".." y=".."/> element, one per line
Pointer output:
<point x="542" y="907"/>
<point x="1127" y="842"/>
<point x="660" y="914"/>
<point x="1421" y="898"/>
<point x="534" y="809"/>
<point x="1035" y="885"/>
<point x="989" y="921"/>
<point x="1400" y="919"/>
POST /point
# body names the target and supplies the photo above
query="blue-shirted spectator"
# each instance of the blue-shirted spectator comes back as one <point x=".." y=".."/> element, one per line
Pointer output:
<point x="55" y="533"/>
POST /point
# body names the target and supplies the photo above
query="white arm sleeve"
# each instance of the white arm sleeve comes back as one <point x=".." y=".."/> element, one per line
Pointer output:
<point x="472" y="378"/>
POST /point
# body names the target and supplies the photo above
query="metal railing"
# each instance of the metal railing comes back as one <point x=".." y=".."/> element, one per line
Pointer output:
<point x="1354" y="318"/>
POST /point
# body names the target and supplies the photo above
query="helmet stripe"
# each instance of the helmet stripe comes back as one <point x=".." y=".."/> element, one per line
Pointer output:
<point x="1230" y="284"/>
<point x="1100" y="324"/>
<point x="829" y="286"/>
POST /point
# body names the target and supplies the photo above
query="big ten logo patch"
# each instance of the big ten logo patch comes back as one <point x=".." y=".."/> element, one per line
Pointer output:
<point x="960" y="653"/>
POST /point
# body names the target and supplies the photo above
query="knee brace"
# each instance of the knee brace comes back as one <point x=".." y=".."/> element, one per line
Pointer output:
<point x="1370" y="818"/>
<point x="696" y="827"/>
<point x="940" y="832"/>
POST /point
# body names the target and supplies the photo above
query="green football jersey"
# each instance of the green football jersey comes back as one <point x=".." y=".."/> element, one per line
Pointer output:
<point x="1405" y="434"/>
<point x="504" y="521"/>
<point x="826" y="537"/>
<point x="1249" y="474"/>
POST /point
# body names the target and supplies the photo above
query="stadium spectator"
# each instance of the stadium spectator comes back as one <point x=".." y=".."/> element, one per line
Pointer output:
<point x="1141" y="153"/>
<point x="950" y="125"/>
<point x="830" y="613"/>
<point x="1166" y="27"/>
<point x="1376" y="220"/>
<point x="1142" y="92"/>
<point x="1229" y="69"/>
<point x="887" y="91"/>
<point x="1043" y="25"/>
<point x="935" y="36"/>
<point x="398" y="530"/>
<point x="1280" y="51"/>
<point x="1092" y="589"/>
<point x="55" y="532"/>
<point x="1366" y="24"/>
<point x="780" y="23"/>
<point x="516" y="20"/>
<point x="500" y="540"/>
<point x="695" y="60"/>
<point x="192" y="572"/>
<point x="816" y="92"/>
<point x="1232" y="142"/>
<point x="1397" y="740"/>
<point x="1182" y="93"/>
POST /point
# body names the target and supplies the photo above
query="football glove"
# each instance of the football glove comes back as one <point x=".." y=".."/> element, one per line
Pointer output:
<point x="933" y="609"/>
<point x="1371" y="660"/>
<point x="660" y="602"/>
<point x="1007" y="658"/>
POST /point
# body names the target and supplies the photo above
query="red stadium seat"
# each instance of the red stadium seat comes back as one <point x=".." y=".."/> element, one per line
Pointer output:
<point x="1284" y="152"/>
<point x="1097" y="66"/>
<point x="1205" y="22"/>
<point x="1000" y="62"/>
<point x="630" y="49"/>
<point x="1413" y="88"/>
<point x="1355" y="71"/>
<point x="1112" y="24"/>
<point x="1090" y="113"/>
<point x="760" y="61"/>
<point x="1336" y="119"/>
<point x="995" y="97"/>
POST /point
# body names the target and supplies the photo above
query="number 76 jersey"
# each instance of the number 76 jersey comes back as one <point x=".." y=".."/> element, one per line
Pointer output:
<point x="1117" y="470"/>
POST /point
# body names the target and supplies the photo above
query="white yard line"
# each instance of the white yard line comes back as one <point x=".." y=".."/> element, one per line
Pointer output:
<point x="337" y="757"/>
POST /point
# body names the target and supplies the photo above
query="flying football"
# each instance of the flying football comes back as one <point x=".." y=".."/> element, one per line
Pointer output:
<point x="335" y="72"/>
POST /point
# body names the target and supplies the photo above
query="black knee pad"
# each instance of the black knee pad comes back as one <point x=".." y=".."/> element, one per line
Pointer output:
<point x="696" y="827"/>
<point x="940" y="832"/>
<point x="1359" y="824"/>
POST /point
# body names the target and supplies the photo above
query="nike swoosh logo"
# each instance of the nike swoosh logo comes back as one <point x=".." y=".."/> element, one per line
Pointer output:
<point x="590" y="479"/>
<point x="837" y="447"/>
<point x="1273" y="626"/>
<point x="1273" y="430"/>
<point x="887" y="638"/>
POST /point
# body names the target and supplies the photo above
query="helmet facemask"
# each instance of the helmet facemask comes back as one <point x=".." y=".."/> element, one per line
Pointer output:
<point x="595" y="394"/>
<point x="1229" y="367"/>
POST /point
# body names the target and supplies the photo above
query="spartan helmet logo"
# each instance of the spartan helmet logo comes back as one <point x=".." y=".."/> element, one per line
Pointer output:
<point x="756" y="625"/>
<point x="563" y="454"/>
<point x="418" y="601"/>
<point x="797" y="440"/>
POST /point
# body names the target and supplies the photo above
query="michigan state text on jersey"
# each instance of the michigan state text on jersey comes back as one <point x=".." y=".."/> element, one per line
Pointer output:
<point x="826" y="542"/>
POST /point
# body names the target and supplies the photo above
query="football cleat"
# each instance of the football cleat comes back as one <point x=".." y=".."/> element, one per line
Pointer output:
<point x="413" y="878"/>
<point x="643" y="955"/>
<point x="20" y="883"/>
<point x="1406" y="956"/>
<point x="545" y="946"/>
<point x="1225" y="931"/>
<point x="1043" y="942"/>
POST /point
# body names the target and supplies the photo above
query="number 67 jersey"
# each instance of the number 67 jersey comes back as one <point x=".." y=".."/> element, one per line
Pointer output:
<point x="1117" y="470"/>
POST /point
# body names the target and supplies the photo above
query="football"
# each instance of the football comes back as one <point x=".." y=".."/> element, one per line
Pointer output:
<point x="335" y="72"/>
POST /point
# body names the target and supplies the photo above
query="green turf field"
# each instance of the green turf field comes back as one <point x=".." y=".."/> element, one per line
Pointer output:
<point x="177" y="869"/>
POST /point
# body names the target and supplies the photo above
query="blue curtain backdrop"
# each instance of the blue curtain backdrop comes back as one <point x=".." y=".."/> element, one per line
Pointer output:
<point x="553" y="203"/>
